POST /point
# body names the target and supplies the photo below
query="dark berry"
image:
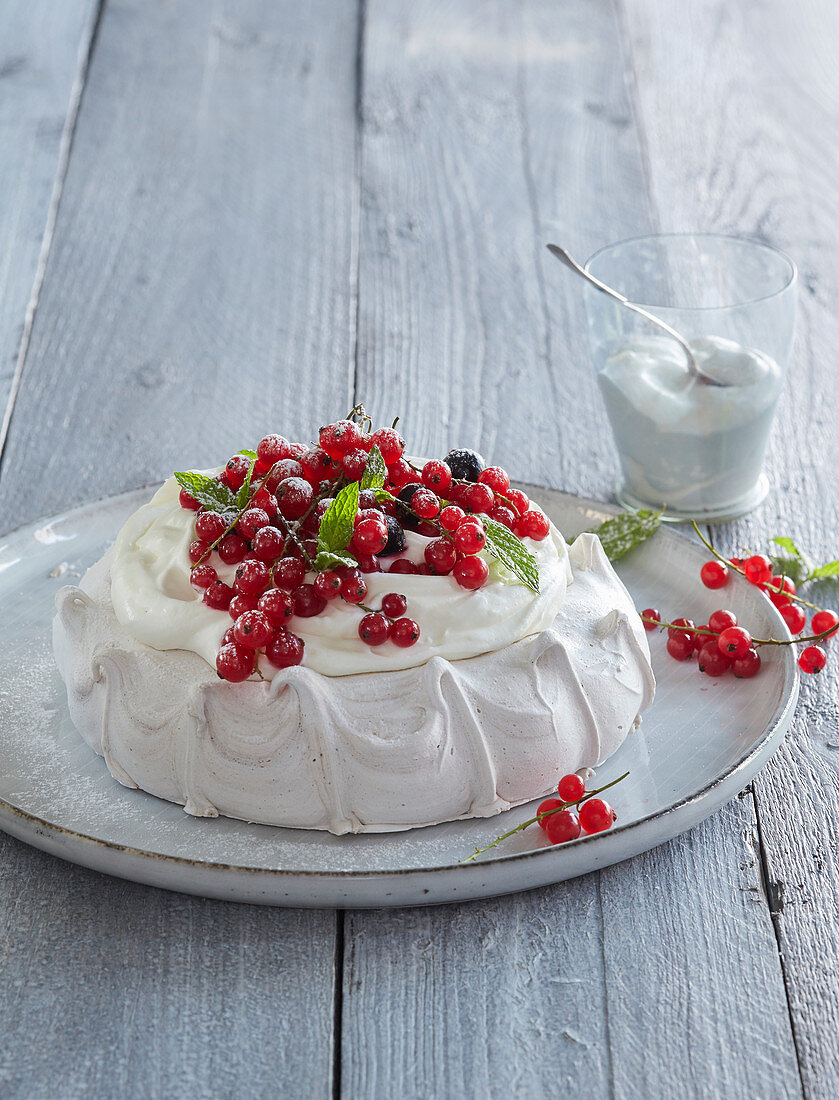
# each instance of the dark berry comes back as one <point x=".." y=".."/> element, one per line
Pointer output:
<point x="396" y="541"/>
<point x="465" y="465"/>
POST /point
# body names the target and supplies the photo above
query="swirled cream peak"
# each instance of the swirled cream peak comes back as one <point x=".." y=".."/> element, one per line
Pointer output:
<point x="153" y="598"/>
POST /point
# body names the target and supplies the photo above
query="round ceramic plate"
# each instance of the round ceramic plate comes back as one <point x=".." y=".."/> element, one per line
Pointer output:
<point x="699" y="744"/>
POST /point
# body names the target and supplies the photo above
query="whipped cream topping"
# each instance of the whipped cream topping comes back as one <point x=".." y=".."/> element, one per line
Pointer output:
<point x="153" y="599"/>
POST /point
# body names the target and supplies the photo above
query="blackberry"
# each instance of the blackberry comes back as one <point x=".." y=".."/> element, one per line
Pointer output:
<point x="396" y="541"/>
<point x="464" y="464"/>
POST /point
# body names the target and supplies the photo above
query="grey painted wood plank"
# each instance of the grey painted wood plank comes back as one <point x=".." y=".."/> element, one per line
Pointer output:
<point x="200" y="291"/>
<point x="115" y="989"/>
<point x="482" y="134"/>
<point x="43" y="48"/>
<point x="760" y="158"/>
<point x="639" y="981"/>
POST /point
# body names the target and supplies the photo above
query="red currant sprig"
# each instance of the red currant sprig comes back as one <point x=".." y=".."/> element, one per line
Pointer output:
<point x="558" y="819"/>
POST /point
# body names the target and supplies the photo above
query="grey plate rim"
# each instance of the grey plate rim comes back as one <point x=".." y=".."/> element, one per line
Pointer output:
<point x="729" y="779"/>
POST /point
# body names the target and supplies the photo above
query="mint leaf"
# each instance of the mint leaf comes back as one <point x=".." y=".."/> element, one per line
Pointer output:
<point x="511" y="552"/>
<point x="328" y="559"/>
<point x="208" y="492"/>
<point x="336" y="527"/>
<point x="624" y="532"/>
<point x="831" y="569"/>
<point x="252" y="455"/>
<point x="244" y="494"/>
<point x="789" y="546"/>
<point x="375" y="471"/>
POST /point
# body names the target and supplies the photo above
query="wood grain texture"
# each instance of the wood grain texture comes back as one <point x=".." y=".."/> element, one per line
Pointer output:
<point x="761" y="157"/>
<point x="115" y="989"/>
<point x="43" y="49"/>
<point x="657" y="977"/>
<point x="640" y="981"/>
<point x="200" y="288"/>
<point x="199" y="292"/>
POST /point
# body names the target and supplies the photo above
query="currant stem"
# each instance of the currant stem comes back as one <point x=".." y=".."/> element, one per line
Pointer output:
<point x="540" y="817"/>
<point x="755" y="641"/>
<point x="737" y="569"/>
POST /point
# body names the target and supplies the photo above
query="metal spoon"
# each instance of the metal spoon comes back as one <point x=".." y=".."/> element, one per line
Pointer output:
<point x="692" y="365"/>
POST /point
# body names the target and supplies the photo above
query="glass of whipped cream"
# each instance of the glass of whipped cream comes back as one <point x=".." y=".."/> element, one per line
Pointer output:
<point x="693" y="448"/>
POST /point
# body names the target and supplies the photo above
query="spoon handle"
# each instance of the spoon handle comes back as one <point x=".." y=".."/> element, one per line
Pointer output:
<point x="569" y="261"/>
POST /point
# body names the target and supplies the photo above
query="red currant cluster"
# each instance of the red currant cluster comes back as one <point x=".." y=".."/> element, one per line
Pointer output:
<point x="782" y="592"/>
<point x="273" y="540"/>
<point x="575" y="812"/>
<point x="721" y="644"/>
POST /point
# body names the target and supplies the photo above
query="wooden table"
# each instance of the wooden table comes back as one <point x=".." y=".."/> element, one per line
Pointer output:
<point x="218" y="220"/>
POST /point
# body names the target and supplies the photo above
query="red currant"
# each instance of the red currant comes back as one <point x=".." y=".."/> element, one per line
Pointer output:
<point x="252" y="577"/>
<point x="812" y="659"/>
<point x="533" y="525"/>
<point x="440" y="556"/>
<point x="252" y="630"/>
<point x="786" y="584"/>
<point x="271" y="449"/>
<point x="654" y="617"/>
<point x="679" y="644"/>
<point x="714" y="574"/>
<point x="404" y="633"/>
<point x="328" y="584"/>
<point x="281" y="471"/>
<point x="825" y="620"/>
<point x="252" y="521"/>
<point x="240" y="604"/>
<point x="721" y="620"/>
<point x="712" y="661"/>
<point x="470" y="538"/>
<point x="437" y="476"/>
<point x="294" y="496"/>
<point x="684" y="626"/>
<point x="519" y="500"/>
<point x="374" y="629"/>
<point x="369" y="563"/>
<point x="265" y="500"/>
<point x="471" y="572"/>
<point x="747" y="666"/>
<point x="501" y="514"/>
<point x="339" y="438"/>
<point x="289" y="573"/>
<point x="390" y="443"/>
<point x="353" y="589"/>
<point x="496" y="478"/>
<point x="285" y="649"/>
<point x="188" y="502"/>
<point x="370" y="536"/>
<point x="234" y="663"/>
<point x="400" y="474"/>
<point x="203" y="575"/>
<point x="571" y="788"/>
<point x="544" y="808"/>
<point x="307" y="601"/>
<point x="218" y="596"/>
<point x="596" y="815"/>
<point x="277" y="606"/>
<point x="403" y="567"/>
<point x="451" y="517"/>
<point x="232" y="549"/>
<point x="354" y="464"/>
<point x="794" y="617"/>
<point x="197" y="550"/>
<point x="425" y="504"/>
<point x="565" y="825"/>
<point x="758" y="569"/>
<point x="237" y="469"/>
<point x="394" y="605"/>
<point x="477" y="497"/>
<point x="734" y="642"/>
<point x="267" y="544"/>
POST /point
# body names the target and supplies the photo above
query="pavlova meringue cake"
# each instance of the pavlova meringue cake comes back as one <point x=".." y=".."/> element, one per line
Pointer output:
<point x="337" y="638"/>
